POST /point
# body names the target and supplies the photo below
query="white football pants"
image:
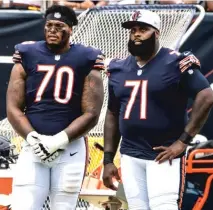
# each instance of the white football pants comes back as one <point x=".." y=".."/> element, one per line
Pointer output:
<point x="152" y="186"/>
<point x="61" y="180"/>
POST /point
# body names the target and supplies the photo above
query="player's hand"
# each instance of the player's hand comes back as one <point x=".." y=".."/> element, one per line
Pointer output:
<point x="110" y="171"/>
<point x="52" y="157"/>
<point x="32" y="138"/>
<point x="50" y="144"/>
<point x="169" y="153"/>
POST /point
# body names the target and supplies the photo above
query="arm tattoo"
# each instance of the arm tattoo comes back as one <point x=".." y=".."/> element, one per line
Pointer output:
<point x="16" y="96"/>
<point x="93" y="93"/>
<point x="200" y="111"/>
<point x="92" y="100"/>
<point x="16" y="88"/>
<point x="16" y="102"/>
<point x="16" y="93"/>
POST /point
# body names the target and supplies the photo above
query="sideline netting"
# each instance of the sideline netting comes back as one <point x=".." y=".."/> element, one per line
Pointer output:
<point x="101" y="28"/>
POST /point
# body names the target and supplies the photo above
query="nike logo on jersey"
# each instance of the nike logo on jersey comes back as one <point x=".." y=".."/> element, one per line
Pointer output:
<point x="71" y="154"/>
<point x="186" y="53"/>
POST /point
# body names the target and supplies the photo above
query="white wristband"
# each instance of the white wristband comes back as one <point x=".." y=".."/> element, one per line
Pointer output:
<point x="62" y="139"/>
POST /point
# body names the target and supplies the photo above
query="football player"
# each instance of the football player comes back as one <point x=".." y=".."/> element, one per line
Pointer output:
<point x="148" y="93"/>
<point x="54" y="98"/>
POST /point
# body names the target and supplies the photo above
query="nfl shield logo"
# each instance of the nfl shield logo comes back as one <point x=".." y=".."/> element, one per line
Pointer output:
<point x="57" y="57"/>
<point x="140" y="71"/>
<point x="57" y="15"/>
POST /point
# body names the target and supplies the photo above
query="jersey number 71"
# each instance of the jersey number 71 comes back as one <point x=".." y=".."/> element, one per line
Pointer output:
<point x="137" y="85"/>
<point x="49" y="70"/>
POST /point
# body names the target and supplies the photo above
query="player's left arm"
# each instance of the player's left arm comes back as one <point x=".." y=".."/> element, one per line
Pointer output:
<point x="92" y="101"/>
<point x="197" y="87"/>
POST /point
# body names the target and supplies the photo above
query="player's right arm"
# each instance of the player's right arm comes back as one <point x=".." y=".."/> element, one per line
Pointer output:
<point x="111" y="128"/>
<point x="16" y="101"/>
<point x="111" y="139"/>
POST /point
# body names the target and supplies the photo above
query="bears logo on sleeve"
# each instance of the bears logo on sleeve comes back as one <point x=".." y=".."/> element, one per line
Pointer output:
<point x="17" y="57"/>
<point x="99" y="63"/>
<point x="188" y="61"/>
<point x="20" y="49"/>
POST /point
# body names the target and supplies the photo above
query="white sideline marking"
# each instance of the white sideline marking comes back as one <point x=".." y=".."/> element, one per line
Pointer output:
<point x="6" y="59"/>
<point x="9" y="59"/>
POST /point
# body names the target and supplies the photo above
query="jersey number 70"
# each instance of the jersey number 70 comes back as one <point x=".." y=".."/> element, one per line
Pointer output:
<point x="136" y="86"/>
<point x="49" y="70"/>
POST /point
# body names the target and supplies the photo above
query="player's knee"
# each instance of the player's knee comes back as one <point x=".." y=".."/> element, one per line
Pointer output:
<point x="72" y="177"/>
<point x="28" y="197"/>
<point x="18" y="203"/>
<point x="164" y="202"/>
<point x="64" y="196"/>
<point x="137" y="204"/>
<point x="63" y="200"/>
<point x="62" y="206"/>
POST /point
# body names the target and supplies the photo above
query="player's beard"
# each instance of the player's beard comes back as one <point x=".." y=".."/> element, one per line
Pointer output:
<point x="56" y="47"/>
<point x="64" y="39"/>
<point x="145" y="50"/>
